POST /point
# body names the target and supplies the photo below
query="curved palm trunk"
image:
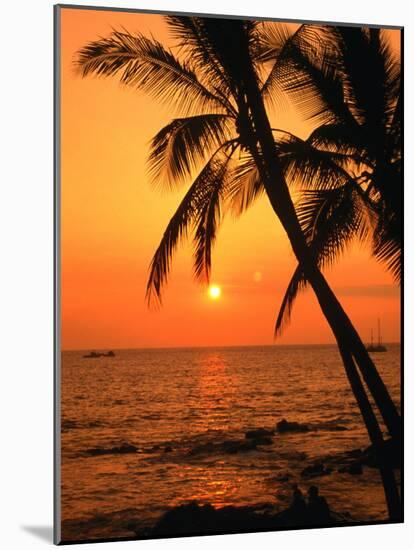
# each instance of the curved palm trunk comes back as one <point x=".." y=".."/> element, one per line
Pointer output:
<point x="350" y="345"/>
<point x="387" y="474"/>
<point x="337" y="318"/>
<point x="279" y="196"/>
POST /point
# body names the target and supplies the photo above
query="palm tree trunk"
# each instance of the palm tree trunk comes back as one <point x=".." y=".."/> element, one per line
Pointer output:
<point x="326" y="298"/>
<point x="337" y="318"/>
<point x="280" y="199"/>
<point x="349" y="343"/>
<point x="392" y="496"/>
<point x="340" y="322"/>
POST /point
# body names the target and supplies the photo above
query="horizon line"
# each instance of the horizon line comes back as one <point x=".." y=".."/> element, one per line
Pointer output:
<point x="209" y="346"/>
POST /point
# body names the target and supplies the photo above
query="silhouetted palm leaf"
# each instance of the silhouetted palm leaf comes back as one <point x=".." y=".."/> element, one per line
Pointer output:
<point x="352" y="83"/>
<point x="365" y="58"/>
<point x="339" y="138"/>
<point x="197" y="209"/>
<point x="145" y="64"/>
<point x="179" y="147"/>
<point x="312" y="78"/>
<point x="296" y="284"/>
<point x="193" y="39"/>
<point x="331" y="220"/>
<point x="387" y="241"/>
<point x="393" y="142"/>
<point x="274" y="38"/>
<point x="308" y="167"/>
<point x="208" y="219"/>
<point x="244" y="186"/>
<point x="275" y="41"/>
<point x="388" y="251"/>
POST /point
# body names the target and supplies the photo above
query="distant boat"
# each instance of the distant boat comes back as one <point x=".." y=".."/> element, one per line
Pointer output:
<point x="92" y="355"/>
<point x="379" y="347"/>
<point x="95" y="355"/>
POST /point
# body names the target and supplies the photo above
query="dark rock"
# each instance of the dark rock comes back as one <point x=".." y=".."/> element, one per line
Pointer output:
<point x="168" y="449"/>
<point x="259" y="432"/>
<point x="354" y="469"/>
<point x="97" y="452"/>
<point x="194" y="519"/>
<point x="68" y="424"/>
<point x="197" y="519"/>
<point x="355" y="453"/>
<point x="263" y="441"/>
<point x="204" y="448"/>
<point x="284" y="427"/>
<point x="125" y="448"/>
<point x="295" y="455"/>
<point x="338" y="428"/>
<point x="231" y="446"/>
<point x="283" y="477"/>
<point x="315" y="470"/>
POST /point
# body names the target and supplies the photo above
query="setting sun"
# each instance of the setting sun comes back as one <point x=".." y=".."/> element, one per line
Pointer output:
<point x="214" y="292"/>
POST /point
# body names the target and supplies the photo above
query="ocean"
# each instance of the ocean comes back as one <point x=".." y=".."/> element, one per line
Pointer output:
<point x="183" y="411"/>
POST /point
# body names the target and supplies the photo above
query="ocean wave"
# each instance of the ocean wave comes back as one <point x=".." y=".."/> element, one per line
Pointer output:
<point x="68" y="424"/>
<point x="124" y="448"/>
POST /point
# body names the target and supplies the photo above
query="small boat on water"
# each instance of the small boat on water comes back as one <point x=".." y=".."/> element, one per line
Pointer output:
<point x="92" y="355"/>
<point x="379" y="347"/>
<point x="95" y="355"/>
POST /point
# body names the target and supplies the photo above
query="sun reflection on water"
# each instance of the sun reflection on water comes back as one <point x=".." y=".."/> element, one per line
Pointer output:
<point x="217" y="389"/>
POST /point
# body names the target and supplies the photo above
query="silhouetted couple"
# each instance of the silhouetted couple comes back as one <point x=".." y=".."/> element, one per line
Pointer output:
<point x="313" y="512"/>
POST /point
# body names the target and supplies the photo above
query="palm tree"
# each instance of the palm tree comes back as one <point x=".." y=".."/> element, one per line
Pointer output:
<point x="349" y="168"/>
<point x="220" y="78"/>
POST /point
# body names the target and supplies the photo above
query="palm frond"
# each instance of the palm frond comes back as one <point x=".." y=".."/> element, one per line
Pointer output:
<point x="387" y="242"/>
<point x="388" y="251"/>
<point x="180" y="146"/>
<point x="275" y="41"/>
<point x="244" y="186"/>
<point x="209" y="214"/>
<point x="370" y="74"/>
<point x="339" y="138"/>
<point x="208" y="220"/>
<point x="272" y="40"/>
<point x="391" y="72"/>
<point x="394" y="144"/>
<point x="176" y="230"/>
<point x="230" y="42"/>
<point x="193" y="38"/>
<point x="145" y="64"/>
<point x="312" y="78"/>
<point x="296" y="284"/>
<point x="331" y="220"/>
<point x="191" y="214"/>
<point x="307" y="167"/>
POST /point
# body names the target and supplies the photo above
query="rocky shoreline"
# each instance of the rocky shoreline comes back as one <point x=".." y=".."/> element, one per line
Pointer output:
<point x="197" y="518"/>
<point x="193" y="518"/>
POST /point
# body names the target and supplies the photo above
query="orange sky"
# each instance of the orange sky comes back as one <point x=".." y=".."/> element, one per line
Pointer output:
<point x="113" y="219"/>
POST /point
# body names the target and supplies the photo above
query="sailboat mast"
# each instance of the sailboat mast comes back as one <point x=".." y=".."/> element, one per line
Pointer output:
<point x="379" y="331"/>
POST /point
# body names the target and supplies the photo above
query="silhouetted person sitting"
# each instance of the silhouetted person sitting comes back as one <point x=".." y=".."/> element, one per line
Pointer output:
<point x="317" y="510"/>
<point x="297" y="511"/>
